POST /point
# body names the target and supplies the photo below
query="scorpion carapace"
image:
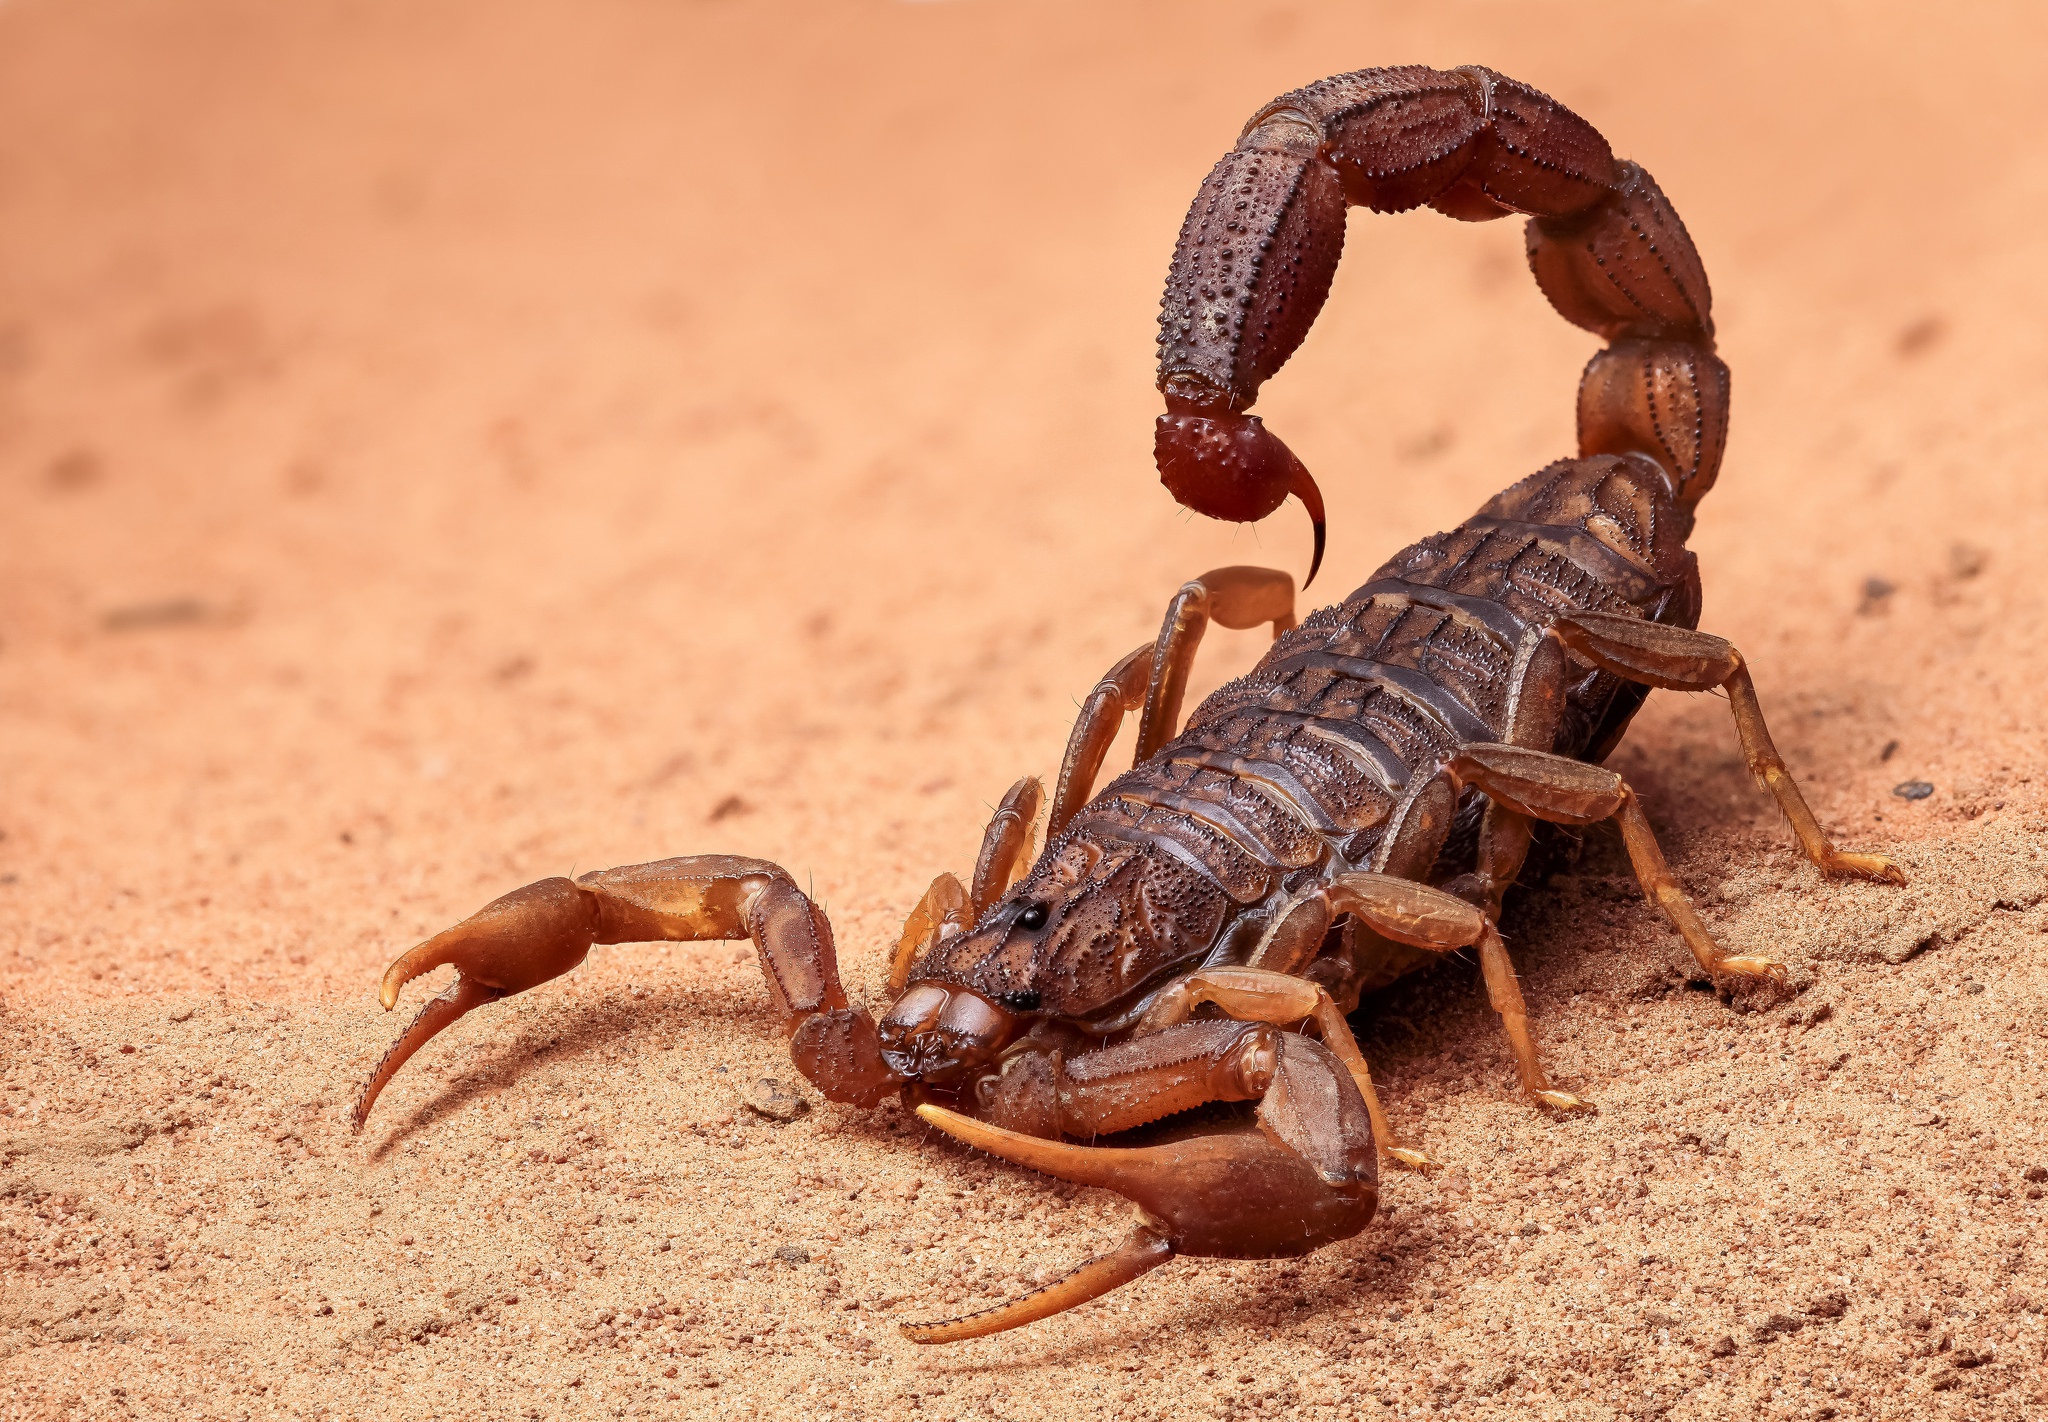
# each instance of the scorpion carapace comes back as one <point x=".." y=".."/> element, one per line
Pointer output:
<point x="1195" y="934"/>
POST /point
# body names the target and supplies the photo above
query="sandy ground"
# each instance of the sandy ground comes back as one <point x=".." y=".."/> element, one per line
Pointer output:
<point x="447" y="445"/>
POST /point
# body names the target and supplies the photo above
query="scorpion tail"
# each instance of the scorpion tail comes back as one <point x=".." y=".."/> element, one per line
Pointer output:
<point x="1262" y="239"/>
<point x="1228" y="465"/>
<point x="1142" y="1252"/>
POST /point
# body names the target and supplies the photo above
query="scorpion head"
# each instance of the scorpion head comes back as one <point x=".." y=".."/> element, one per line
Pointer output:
<point x="936" y="1032"/>
<point x="1088" y="930"/>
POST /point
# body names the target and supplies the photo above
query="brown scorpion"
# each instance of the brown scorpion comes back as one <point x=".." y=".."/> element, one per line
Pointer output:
<point x="1359" y="803"/>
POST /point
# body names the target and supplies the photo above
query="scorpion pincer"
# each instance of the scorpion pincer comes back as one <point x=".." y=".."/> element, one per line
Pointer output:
<point x="1196" y="933"/>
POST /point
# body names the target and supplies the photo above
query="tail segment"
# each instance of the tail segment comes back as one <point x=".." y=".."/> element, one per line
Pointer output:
<point x="1259" y="248"/>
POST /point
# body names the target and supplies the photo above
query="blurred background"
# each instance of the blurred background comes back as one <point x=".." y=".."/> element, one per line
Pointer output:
<point x="448" y="444"/>
<point x="442" y="443"/>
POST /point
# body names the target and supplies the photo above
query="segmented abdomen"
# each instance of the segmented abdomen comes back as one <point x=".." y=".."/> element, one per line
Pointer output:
<point x="1306" y="759"/>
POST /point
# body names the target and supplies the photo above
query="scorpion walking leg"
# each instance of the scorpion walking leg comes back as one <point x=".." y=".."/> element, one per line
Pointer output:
<point x="943" y="911"/>
<point x="1239" y="598"/>
<point x="1120" y="692"/>
<point x="1155" y="677"/>
<point x="1423" y="917"/>
<point x="1679" y="659"/>
<point x="947" y="907"/>
<point x="1503" y="845"/>
<point x="1302" y="1176"/>
<point x="1006" y="844"/>
<point x="545" y="929"/>
<point x="1563" y="791"/>
<point x="1444" y="921"/>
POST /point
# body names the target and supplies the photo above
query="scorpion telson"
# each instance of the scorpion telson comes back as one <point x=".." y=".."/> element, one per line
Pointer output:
<point x="1360" y="803"/>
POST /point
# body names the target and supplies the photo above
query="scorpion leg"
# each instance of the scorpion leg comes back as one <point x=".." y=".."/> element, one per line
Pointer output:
<point x="1302" y="1176"/>
<point x="1120" y="692"/>
<point x="1503" y="844"/>
<point x="545" y="929"/>
<point x="1006" y="844"/>
<point x="1155" y="677"/>
<point x="1423" y="917"/>
<point x="1237" y="598"/>
<point x="943" y="911"/>
<point x="1407" y="852"/>
<point x="1560" y="790"/>
<point x="1679" y="659"/>
<point x="947" y="907"/>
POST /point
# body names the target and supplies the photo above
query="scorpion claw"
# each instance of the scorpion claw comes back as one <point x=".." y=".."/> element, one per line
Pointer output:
<point x="1246" y="1194"/>
<point x="1144" y="1250"/>
<point x="460" y="997"/>
<point x="526" y="937"/>
<point x="1751" y="966"/>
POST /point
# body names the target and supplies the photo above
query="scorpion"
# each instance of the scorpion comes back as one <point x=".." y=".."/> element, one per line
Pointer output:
<point x="1358" y="804"/>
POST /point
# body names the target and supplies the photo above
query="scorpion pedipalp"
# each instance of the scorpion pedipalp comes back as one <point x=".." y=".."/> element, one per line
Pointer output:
<point x="1141" y="1252"/>
<point x="545" y="929"/>
<point x="513" y="943"/>
<point x="1300" y="1177"/>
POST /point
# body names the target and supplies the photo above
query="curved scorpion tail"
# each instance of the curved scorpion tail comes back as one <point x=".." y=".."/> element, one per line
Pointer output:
<point x="1260" y="246"/>
<point x="1628" y="270"/>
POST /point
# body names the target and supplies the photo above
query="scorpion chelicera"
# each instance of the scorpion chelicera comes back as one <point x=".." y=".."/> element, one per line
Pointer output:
<point x="1359" y="803"/>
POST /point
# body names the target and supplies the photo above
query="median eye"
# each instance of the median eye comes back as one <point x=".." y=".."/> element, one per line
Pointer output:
<point x="1033" y="917"/>
<point x="1020" y="1001"/>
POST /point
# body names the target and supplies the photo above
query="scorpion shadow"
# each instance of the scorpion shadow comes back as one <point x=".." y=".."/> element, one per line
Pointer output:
<point x="593" y="1028"/>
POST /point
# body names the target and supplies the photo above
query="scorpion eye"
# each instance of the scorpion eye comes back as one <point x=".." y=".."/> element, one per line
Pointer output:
<point x="1026" y="1001"/>
<point x="1033" y="916"/>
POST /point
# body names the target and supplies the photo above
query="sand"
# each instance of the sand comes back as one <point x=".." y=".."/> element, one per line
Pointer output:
<point x="445" y="446"/>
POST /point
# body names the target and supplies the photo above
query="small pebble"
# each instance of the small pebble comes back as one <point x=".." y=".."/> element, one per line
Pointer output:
<point x="1913" y="790"/>
<point x="769" y="1097"/>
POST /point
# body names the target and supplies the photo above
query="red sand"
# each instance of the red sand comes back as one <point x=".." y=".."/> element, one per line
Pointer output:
<point x="449" y="445"/>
